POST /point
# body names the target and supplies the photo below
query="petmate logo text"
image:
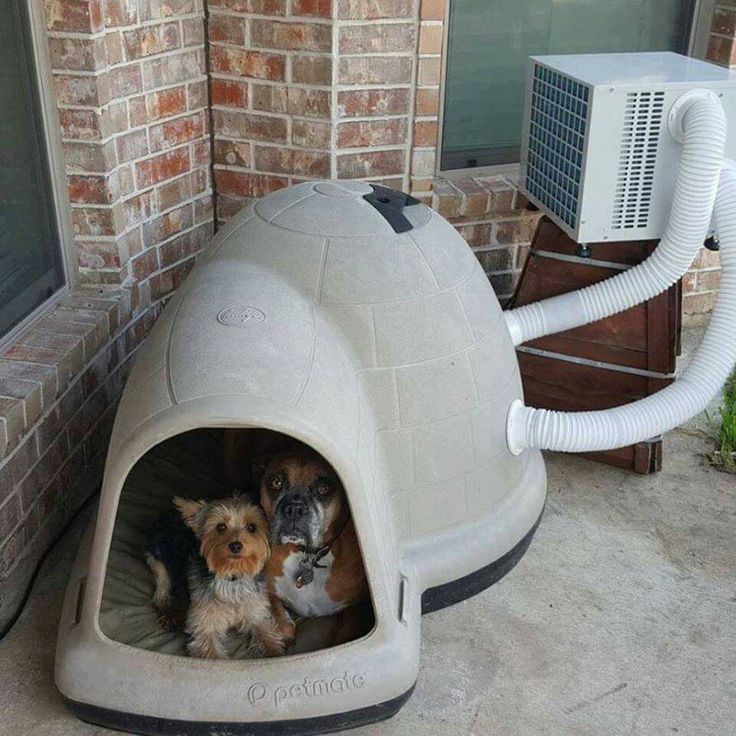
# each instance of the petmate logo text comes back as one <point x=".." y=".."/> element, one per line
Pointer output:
<point x="240" y="316"/>
<point x="281" y="695"/>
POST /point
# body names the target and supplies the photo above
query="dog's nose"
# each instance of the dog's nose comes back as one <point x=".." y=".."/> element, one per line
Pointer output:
<point x="295" y="509"/>
<point x="235" y="547"/>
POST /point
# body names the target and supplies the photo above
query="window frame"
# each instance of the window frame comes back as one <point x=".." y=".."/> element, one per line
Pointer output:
<point x="57" y="171"/>
<point x="702" y="17"/>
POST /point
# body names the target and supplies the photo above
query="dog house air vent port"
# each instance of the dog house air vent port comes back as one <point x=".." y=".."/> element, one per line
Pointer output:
<point x="369" y="335"/>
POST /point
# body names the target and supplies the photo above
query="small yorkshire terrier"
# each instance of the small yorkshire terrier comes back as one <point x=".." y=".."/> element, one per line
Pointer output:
<point x="213" y="553"/>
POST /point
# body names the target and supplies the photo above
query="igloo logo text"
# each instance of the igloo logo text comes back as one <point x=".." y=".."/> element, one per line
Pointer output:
<point x="280" y="695"/>
<point x="240" y="316"/>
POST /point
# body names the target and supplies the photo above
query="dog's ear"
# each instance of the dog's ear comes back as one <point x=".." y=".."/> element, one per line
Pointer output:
<point x="190" y="511"/>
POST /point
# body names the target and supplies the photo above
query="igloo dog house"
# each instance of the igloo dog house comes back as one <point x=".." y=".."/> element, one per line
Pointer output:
<point x="357" y="321"/>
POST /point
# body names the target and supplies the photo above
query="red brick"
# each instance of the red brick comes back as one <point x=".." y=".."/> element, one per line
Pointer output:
<point x="77" y="54"/>
<point x="156" y="9"/>
<point x="699" y="303"/>
<point x="90" y="156"/>
<point x="163" y="227"/>
<point x="229" y="93"/>
<point x="98" y="255"/>
<point x="234" y="124"/>
<point x="259" y="7"/>
<point x="184" y="246"/>
<point x="143" y="265"/>
<point x="197" y="95"/>
<point x="248" y="63"/>
<point x="427" y="102"/>
<point x="290" y="36"/>
<point x="311" y="134"/>
<point x="120" y="13"/>
<point x="88" y="189"/>
<point x="80" y="124"/>
<point x="289" y="161"/>
<point x="166" y="103"/>
<point x="173" y="192"/>
<point x="371" y="163"/>
<point x="373" y="9"/>
<point x="311" y="69"/>
<point x="132" y="145"/>
<point x="164" y="71"/>
<point x="165" y="166"/>
<point x="429" y="71"/>
<point x="430" y="39"/>
<point x="310" y="103"/>
<point x="709" y="280"/>
<point x="174" y="132"/>
<point x="376" y="70"/>
<point x="248" y="185"/>
<point x="137" y="208"/>
<point x="378" y="102"/>
<point x="43" y="356"/>
<point x="192" y="31"/>
<point x="377" y="39"/>
<point x="88" y="221"/>
<point x="114" y="48"/>
<point x="270" y="97"/>
<point x="516" y="231"/>
<point x="151" y="40"/>
<point x="232" y="153"/>
<point x="89" y="91"/>
<point x="315" y="8"/>
<point x="372" y="133"/>
<point x="80" y="16"/>
<point x="425" y="133"/>
<point x="227" y="29"/>
<point x="125" y="81"/>
<point x="167" y="281"/>
<point x="433" y="10"/>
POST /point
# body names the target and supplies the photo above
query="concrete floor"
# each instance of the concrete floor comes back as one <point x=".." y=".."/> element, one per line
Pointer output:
<point x="621" y="619"/>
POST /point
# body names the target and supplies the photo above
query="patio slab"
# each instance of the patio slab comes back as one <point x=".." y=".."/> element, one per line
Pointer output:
<point x="621" y="619"/>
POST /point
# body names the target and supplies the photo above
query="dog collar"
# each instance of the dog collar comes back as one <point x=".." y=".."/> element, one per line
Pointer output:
<point x="313" y="556"/>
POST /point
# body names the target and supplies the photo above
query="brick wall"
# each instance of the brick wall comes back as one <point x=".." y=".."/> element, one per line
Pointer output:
<point x="295" y="89"/>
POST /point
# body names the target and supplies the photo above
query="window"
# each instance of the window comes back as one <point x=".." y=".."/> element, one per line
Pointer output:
<point x="488" y="45"/>
<point x="31" y="265"/>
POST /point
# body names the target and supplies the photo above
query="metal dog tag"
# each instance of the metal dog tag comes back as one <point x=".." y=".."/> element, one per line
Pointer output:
<point x="306" y="573"/>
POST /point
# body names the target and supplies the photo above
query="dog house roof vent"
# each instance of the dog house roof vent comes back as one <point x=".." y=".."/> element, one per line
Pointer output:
<point x="334" y="208"/>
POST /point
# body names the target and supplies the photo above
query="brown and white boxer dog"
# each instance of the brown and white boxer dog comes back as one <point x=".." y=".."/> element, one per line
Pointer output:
<point x="315" y="568"/>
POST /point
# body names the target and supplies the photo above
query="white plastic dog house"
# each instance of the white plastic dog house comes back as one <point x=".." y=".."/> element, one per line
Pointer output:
<point x="367" y="329"/>
<point x="359" y="322"/>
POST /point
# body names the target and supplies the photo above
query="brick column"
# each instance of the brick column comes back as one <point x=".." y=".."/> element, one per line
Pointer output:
<point x="271" y="64"/>
<point x="376" y="52"/>
<point x="132" y="96"/>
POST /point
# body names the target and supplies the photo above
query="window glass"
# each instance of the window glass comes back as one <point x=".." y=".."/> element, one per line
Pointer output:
<point x="30" y="253"/>
<point x="488" y="45"/>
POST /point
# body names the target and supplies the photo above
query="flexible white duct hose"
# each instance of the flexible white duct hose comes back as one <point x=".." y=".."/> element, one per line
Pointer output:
<point x="703" y="128"/>
<point x="673" y="405"/>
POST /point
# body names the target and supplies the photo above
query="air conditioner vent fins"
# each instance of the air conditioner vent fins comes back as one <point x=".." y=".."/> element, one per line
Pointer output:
<point x="637" y="159"/>
<point x="557" y="128"/>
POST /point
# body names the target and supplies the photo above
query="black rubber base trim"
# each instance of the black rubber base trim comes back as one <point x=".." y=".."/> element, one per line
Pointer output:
<point x="150" y="726"/>
<point x="441" y="596"/>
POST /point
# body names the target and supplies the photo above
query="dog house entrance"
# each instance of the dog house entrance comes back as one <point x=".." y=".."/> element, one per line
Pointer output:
<point x="199" y="464"/>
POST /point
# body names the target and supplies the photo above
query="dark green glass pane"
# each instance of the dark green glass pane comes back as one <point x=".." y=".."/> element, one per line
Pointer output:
<point x="488" y="47"/>
<point x="30" y="254"/>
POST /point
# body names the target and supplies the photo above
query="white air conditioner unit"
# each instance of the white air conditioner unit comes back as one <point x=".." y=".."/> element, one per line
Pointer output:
<point x="598" y="155"/>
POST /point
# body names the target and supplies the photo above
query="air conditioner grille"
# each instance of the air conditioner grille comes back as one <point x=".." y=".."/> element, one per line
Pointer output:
<point x="637" y="159"/>
<point x="557" y="127"/>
